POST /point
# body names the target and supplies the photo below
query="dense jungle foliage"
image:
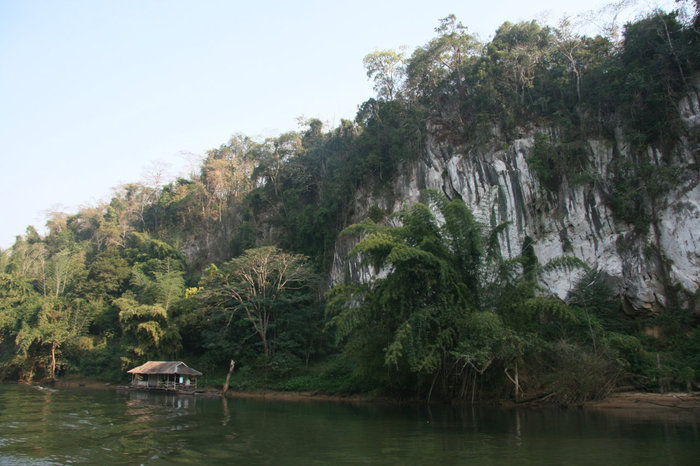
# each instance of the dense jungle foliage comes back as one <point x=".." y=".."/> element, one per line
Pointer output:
<point x="232" y="262"/>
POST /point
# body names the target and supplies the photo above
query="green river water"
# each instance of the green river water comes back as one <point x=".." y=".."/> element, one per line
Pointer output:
<point x="110" y="427"/>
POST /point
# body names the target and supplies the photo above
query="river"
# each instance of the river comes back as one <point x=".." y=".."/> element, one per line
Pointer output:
<point x="109" y="427"/>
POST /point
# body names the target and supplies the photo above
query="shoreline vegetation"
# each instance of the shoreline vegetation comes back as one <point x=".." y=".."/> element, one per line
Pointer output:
<point x="624" y="400"/>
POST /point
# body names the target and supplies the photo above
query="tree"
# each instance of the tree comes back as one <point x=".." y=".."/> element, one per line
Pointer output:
<point x="515" y="53"/>
<point x="429" y="281"/>
<point x="61" y="270"/>
<point x="386" y="68"/>
<point x="31" y="324"/>
<point x="53" y="328"/>
<point x="226" y="171"/>
<point x="133" y="200"/>
<point x="146" y="328"/>
<point x="271" y="155"/>
<point x="568" y="43"/>
<point x="4" y="259"/>
<point x="257" y="285"/>
<point x="444" y="76"/>
<point x="26" y="257"/>
<point x="107" y="274"/>
<point x="158" y="281"/>
<point x="442" y="61"/>
<point x="657" y="56"/>
<point x="443" y="308"/>
<point x="19" y="304"/>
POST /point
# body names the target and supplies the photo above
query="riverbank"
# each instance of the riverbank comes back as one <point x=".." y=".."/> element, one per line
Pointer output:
<point x="621" y="401"/>
<point x="640" y="400"/>
<point x="615" y="401"/>
<point x="89" y="384"/>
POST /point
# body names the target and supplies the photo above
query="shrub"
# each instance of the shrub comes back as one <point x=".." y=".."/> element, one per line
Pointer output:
<point x="579" y="375"/>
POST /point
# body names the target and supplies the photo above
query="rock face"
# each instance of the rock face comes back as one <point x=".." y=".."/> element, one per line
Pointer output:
<point x="498" y="186"/>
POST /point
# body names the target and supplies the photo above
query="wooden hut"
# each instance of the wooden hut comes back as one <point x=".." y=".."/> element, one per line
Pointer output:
<point x="165" y="375"/>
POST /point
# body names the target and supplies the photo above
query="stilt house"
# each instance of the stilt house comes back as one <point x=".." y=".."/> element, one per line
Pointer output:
<point x="166" y="375"/>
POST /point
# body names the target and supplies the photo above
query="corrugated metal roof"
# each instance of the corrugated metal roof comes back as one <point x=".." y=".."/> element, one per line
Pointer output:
<point x="164" y="367"/>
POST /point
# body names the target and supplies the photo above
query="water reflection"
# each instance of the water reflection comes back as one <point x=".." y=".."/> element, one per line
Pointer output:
<point x="163" y="399"/>
<point x="224" y="408"/>
<point x="158" y="428"/>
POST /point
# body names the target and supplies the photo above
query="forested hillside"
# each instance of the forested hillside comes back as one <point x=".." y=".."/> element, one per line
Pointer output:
<point x="235" y="261"/>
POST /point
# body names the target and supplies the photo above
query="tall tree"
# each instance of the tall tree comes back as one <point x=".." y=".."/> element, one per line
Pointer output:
<point x="19" y="304"/>
<point x="430" y="282"/>
<point x="515" y="52"/>
<point x="53" y="326"/>
<point x="443" y="307"/>
<point x="61" y="270"/>
<point x="226" y="172"/>
<point x="440" y="65"/>
<point x="145" y="328"/>
<point x="271" y="155"/>
<point x="257" y="285"/>
<point x="386" y="68"/>
<point x="4" y="259"/>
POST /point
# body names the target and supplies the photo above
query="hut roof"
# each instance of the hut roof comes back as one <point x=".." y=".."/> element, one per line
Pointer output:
<point x="164" y="367"/>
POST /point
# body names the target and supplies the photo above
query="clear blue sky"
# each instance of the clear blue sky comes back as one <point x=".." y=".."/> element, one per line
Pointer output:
<point x="93" y="92"/>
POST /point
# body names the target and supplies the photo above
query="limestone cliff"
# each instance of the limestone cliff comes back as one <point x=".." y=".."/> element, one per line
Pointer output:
<point x="497" y="184"/>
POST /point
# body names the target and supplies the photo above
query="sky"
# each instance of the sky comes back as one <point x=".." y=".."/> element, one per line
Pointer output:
<point x="98" y="93"/>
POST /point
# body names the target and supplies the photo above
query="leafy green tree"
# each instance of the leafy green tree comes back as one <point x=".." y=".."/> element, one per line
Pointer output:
<point x="226" y="174"/>
<point x="515" y="52"/>
<point x="53" y="328"/>
<point x="386" y="68"/>
<point x="33" y="328"/>
<point x="431" y="280"/>
<point x="444" y="310"/>
<point x="270" y="157"/>
<point x="657" y="56"/>
<point x="108" y="274"/>
<point x="146" y="330"/>
<point x="258" y="285"/>
<point x="484" y="340"/>
<point x="62" y="270"/>
<point x="26" y="257"/>
<point x="19" y="304"/>
<point x="156" y="283"/>
<point x="443" y="60"/>
<point x="4" y="260"/>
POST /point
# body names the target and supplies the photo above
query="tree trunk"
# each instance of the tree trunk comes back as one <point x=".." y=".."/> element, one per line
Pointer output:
<point x="432" y="385"/>
<point x="53" y="360"/>
<point x="463" y="387"/>
<point x="514" y="380"/>
<point x="228" y="376"/>
<point x="266" y="348"/>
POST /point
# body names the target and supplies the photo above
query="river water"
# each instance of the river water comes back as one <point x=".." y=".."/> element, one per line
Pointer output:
<point x="109" y="427"/>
